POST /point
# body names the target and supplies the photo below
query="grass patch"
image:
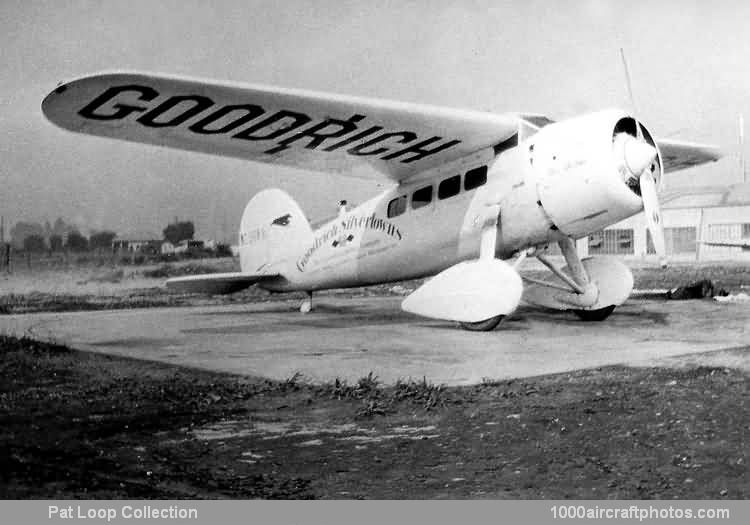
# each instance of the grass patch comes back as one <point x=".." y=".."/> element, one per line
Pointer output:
<point x="377" y="399"/>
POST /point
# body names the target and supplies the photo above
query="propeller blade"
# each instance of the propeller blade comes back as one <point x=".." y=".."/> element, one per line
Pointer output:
<point x="638" y="158"/>
<point x="653" y="215"/>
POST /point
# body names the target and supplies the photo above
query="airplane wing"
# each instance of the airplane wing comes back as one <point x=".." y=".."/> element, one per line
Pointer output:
<point x="677" y="155"/>
<point x="315" y="131"/>
<point x="215" y="283"/>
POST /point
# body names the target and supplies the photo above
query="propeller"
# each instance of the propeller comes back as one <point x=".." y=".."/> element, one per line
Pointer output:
<point x="639" y="159"/>
<point x="653" y="214"/>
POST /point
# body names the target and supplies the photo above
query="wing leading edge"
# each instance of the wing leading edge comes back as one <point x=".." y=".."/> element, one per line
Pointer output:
<point x="678" y="155"/>
<point x="325" y="132"/>
<point x="315" y="131"/>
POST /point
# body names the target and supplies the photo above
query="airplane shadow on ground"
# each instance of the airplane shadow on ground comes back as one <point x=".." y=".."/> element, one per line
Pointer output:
<point x="620" y="316"/>
<point x="507" y="325"/>
<point x="327" y="316"/>
<point x="284" y="309"/>
<point x="322" y="317"/>
<point x="520" y="319"/>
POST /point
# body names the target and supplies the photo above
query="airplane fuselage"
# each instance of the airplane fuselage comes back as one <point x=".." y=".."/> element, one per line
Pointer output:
<point x="433" y="222"/>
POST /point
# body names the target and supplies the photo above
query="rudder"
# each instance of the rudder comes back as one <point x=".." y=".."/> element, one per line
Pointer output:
<point x="273" y="229"/>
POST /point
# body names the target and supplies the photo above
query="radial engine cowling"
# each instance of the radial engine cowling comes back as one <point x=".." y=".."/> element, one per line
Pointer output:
<point x="587" y="170"/>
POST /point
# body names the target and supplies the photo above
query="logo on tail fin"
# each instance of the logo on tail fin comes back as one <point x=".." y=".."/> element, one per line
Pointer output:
<point x="283" y="220"/>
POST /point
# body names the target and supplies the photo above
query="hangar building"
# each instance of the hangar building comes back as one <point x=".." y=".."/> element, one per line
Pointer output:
<point x="709" y="213"/>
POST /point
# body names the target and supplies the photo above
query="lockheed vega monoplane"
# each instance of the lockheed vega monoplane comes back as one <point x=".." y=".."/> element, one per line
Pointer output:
<point x="470" y="190"/>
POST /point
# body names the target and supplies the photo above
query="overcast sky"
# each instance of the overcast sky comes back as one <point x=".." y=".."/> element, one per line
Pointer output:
<point x="688" y="62"/>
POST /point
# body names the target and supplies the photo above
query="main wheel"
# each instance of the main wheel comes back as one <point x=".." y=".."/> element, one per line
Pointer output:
<point x="483" y="326"/>
<point x="599" y="314"/>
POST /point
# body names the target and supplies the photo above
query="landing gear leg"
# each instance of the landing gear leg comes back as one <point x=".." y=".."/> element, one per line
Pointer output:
<point x="487" y="245"/>
<point x="578" y="280"/>
<point x="592" y="287"/>
<point x="306" y="305"/>
<point x="582" y="280"/>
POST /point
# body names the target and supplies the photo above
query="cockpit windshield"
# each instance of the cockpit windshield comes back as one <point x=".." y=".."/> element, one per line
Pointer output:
<point x="538" y="121"/>
<point x="530" y="124"/>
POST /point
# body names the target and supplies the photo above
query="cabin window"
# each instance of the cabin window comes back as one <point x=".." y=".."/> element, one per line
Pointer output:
<point x="475" y="178"/>
<point x="397" y="206"/>
<point x="449" y="187"/>
<point x="421" y="197"/>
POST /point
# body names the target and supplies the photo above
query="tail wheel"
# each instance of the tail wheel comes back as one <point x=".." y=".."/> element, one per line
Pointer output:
<point x="599" y="314"/>
<point x="483" y="326"/>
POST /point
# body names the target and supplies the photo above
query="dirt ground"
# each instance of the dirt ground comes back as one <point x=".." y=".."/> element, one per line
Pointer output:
<point x="75" y="424"/>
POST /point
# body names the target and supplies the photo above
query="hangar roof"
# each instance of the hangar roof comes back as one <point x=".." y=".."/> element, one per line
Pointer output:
<point x="708" y="197"/>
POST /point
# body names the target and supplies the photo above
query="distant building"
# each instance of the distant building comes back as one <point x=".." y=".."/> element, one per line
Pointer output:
<point x="188" y="245"/>
<point x="719" y="213"/>
<point x="145" y="244"/>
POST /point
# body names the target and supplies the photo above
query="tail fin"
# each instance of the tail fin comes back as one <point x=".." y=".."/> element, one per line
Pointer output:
<point x="272" y="230"/>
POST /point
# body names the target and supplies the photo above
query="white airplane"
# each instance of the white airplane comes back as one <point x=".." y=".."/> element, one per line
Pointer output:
<point x="469" y="190"/>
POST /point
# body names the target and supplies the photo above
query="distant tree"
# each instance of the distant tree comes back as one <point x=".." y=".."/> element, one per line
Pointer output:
<point x="102" y="240"/>
<point x="21" y="230"/>
<point x="34" y="243"/>
<point x="61" y="227"/>
<point x="55" y="243"/>
<point x="179" y="231"/>
<point x="77" y="242"/>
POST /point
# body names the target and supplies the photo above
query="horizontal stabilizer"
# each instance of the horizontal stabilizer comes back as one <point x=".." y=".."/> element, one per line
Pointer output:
<point x="215" y="283"/>
<point x="742" y="243"/>
<point x="468" y="292"/>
